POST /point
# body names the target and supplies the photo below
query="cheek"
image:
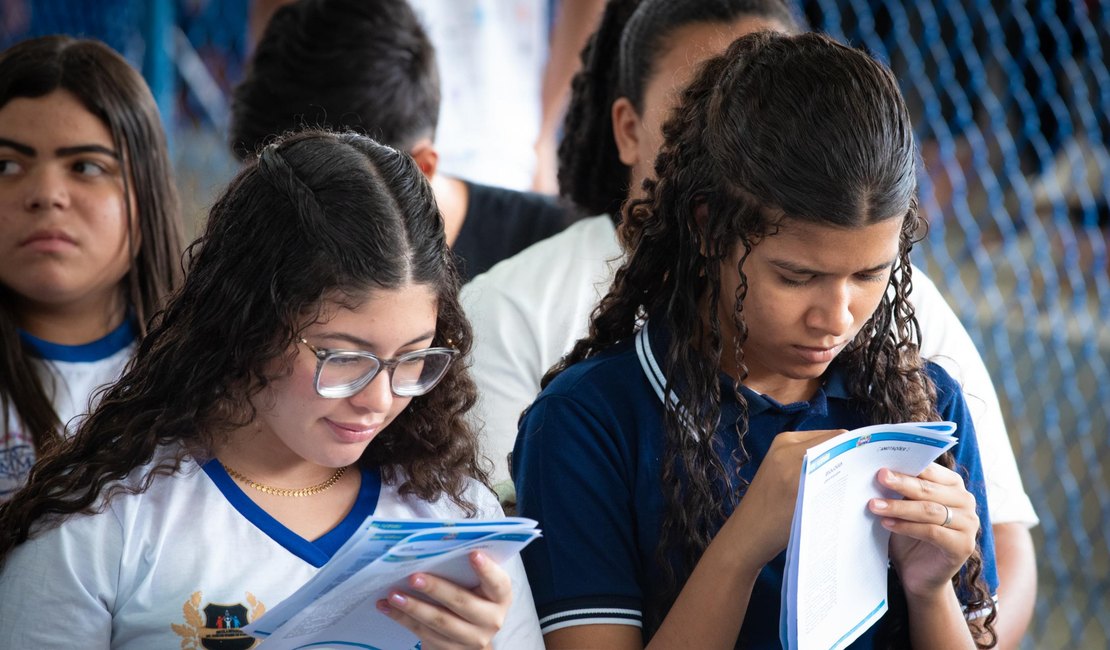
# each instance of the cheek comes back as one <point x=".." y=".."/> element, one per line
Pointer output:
<point x="398" y="406"/>
<point x="869" y="301"/>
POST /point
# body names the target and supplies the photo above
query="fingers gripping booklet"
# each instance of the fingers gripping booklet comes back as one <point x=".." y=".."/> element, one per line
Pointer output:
<point x="835" y="582"/>
<point x="337" y="607"/>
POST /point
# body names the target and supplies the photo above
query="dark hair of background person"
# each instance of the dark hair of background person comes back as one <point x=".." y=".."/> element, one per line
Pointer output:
<point x="617" y="62"/>
<point x="779" y="127"/>
<point x="319" y="218"/>
<point x="360" y="65"/>
<point x="110" y="89"/>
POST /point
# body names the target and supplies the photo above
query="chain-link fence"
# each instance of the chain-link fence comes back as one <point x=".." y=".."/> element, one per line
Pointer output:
<point x="1012" y="101"/>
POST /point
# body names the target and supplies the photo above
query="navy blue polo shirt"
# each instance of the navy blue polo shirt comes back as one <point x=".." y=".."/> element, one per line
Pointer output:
<point x="587" y="467"/>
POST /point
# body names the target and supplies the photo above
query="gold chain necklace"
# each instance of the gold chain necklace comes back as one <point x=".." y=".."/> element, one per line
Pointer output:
<point x="287" y="492"/>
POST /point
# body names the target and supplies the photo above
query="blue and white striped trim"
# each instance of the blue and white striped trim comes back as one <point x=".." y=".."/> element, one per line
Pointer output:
<point x="651" y="367"/>
<point x="591" y="616"/>
<point x="654" y="374"/>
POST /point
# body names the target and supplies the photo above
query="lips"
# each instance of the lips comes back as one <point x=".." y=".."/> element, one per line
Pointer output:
<point x="48" y="239"/>
<point x="818" y="354"/>
<point x="353" y="432"/>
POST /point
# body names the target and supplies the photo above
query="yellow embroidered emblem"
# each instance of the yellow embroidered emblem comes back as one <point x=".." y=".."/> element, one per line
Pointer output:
<point x="216" y="626"/>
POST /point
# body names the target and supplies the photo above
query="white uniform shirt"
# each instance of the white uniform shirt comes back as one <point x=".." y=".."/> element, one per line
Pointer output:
<point x="529" y="310"/>
<point x="71" y="375"/>
<point x="189" y="561"/>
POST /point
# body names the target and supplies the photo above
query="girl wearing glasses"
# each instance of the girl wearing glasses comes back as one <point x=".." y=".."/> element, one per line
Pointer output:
<point x="306" y="375"/>
<point x="90" y="235"/>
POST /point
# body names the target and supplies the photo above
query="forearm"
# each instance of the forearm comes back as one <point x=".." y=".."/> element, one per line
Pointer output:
<point x="1017" y="578"/>
<point x="711" y="607"/>
<point x="937" y="621"/>
<point x="574" y="23"/>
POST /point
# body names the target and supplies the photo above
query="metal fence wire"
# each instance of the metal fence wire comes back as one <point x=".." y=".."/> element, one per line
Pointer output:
<point x="1011" y="101"/>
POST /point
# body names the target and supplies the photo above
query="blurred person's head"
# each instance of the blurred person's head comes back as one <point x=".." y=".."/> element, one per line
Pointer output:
<point x="641" y="56"/>
<point x="360" y="65"/>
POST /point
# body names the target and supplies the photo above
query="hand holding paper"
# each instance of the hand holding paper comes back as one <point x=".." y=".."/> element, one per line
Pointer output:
<point x="338" y="606"/>
<point x="932" y="540"/>
<point x="437" y="609"/>
<point x="835" y="584"/>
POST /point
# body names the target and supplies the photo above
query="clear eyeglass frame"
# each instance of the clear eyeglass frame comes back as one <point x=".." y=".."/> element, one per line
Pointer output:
<point x="326" y="356"/>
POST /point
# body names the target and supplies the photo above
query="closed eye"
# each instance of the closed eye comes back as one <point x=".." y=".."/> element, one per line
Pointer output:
<point x="795" y="282"/>
<point x="873" y="277"/>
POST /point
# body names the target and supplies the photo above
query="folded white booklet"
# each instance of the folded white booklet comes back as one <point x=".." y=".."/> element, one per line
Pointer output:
<point x="835" y="582"/>
<point x="337" y="607"/>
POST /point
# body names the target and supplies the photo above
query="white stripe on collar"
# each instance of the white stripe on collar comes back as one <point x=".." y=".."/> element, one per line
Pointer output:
<point x="654" y="374"/>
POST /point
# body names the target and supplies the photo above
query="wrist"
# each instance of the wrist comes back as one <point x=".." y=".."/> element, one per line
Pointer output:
<point x="943" y="595"/>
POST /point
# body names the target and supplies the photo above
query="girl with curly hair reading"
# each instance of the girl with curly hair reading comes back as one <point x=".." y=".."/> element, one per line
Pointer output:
<point x="762" y="309"/>
<point x="310" y="372"/>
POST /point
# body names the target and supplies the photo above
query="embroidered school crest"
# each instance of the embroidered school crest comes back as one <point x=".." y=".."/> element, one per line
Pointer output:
<point x="15" y="465"/>
<point x="217" y="625"/>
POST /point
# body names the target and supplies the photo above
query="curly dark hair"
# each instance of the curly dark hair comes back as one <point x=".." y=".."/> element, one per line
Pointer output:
<point x="778" y="128"/>
<point x="618" y="61"/>
<point x="318" y="218"/>
<point x="109" y="88"/>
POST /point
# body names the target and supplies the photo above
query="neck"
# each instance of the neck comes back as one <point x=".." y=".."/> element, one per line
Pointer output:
<point x="453" y="198"/>
<point x="74" y="323"/>
<point x="250" y="451"/>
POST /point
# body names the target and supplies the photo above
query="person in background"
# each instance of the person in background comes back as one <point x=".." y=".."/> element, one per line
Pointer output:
<point x="762" y="309"/>
<point x="90" y="235"/>
<point x="369" y="66"/>
<point x="528" y="311"/>
<point x="256" y="430"/>
<point x="507" y="67"/>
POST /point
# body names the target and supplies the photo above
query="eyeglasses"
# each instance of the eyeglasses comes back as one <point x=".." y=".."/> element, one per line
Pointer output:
<point x="343" y="373"/>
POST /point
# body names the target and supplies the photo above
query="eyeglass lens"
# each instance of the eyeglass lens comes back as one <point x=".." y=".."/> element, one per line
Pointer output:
<point x="342" y="375"/>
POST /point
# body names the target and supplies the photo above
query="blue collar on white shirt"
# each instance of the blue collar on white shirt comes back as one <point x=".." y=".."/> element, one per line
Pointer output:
<point x="102" y="348"/>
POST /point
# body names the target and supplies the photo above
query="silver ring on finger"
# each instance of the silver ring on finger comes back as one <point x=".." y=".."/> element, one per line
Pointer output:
<point x="947" y="516"/>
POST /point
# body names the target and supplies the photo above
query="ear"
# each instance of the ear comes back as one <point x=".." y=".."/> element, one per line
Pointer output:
<point x="626" y="131"/>
<point x="426" y="157"/>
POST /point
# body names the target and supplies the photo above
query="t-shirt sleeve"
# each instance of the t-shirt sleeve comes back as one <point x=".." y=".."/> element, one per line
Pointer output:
<point x="58" y="589"/>
<point x="573" y="475"/>
<point x="952" y="407"/>
<point x="945" y="341"/>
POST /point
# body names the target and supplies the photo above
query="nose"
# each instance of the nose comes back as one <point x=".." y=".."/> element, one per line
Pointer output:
<point x="831" y="313"/>
<point x="377" y="396"/>
<point x="45" y="189"/>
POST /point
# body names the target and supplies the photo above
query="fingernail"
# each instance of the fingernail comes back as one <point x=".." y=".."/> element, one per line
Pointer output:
<point x="891" y="477"/>
<point x="888" y="523"/>
<point x="479" y="559"/>
<point x="384" y="607"/>
<point x="398" y="599"/>
<point x="419" y="582"/>
<point x="879" y="504"/>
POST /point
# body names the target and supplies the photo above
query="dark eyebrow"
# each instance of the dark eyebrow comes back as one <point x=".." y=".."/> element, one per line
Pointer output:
<point x="338" y="336"/>
<point x="801" y="270"/>
<point x="85" y="148"/>
<point x="20" y="147"/>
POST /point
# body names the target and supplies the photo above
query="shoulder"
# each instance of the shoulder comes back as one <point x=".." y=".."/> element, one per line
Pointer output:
<point x="948" y="389"/>
<point x="611" y="372"/>
<point x="393" y="504"/>
<point x="592" y="239"/>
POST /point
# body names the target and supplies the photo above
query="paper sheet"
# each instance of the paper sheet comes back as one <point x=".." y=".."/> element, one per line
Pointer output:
<point x="835" y="583"/>
<point x="337" y="607"/>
